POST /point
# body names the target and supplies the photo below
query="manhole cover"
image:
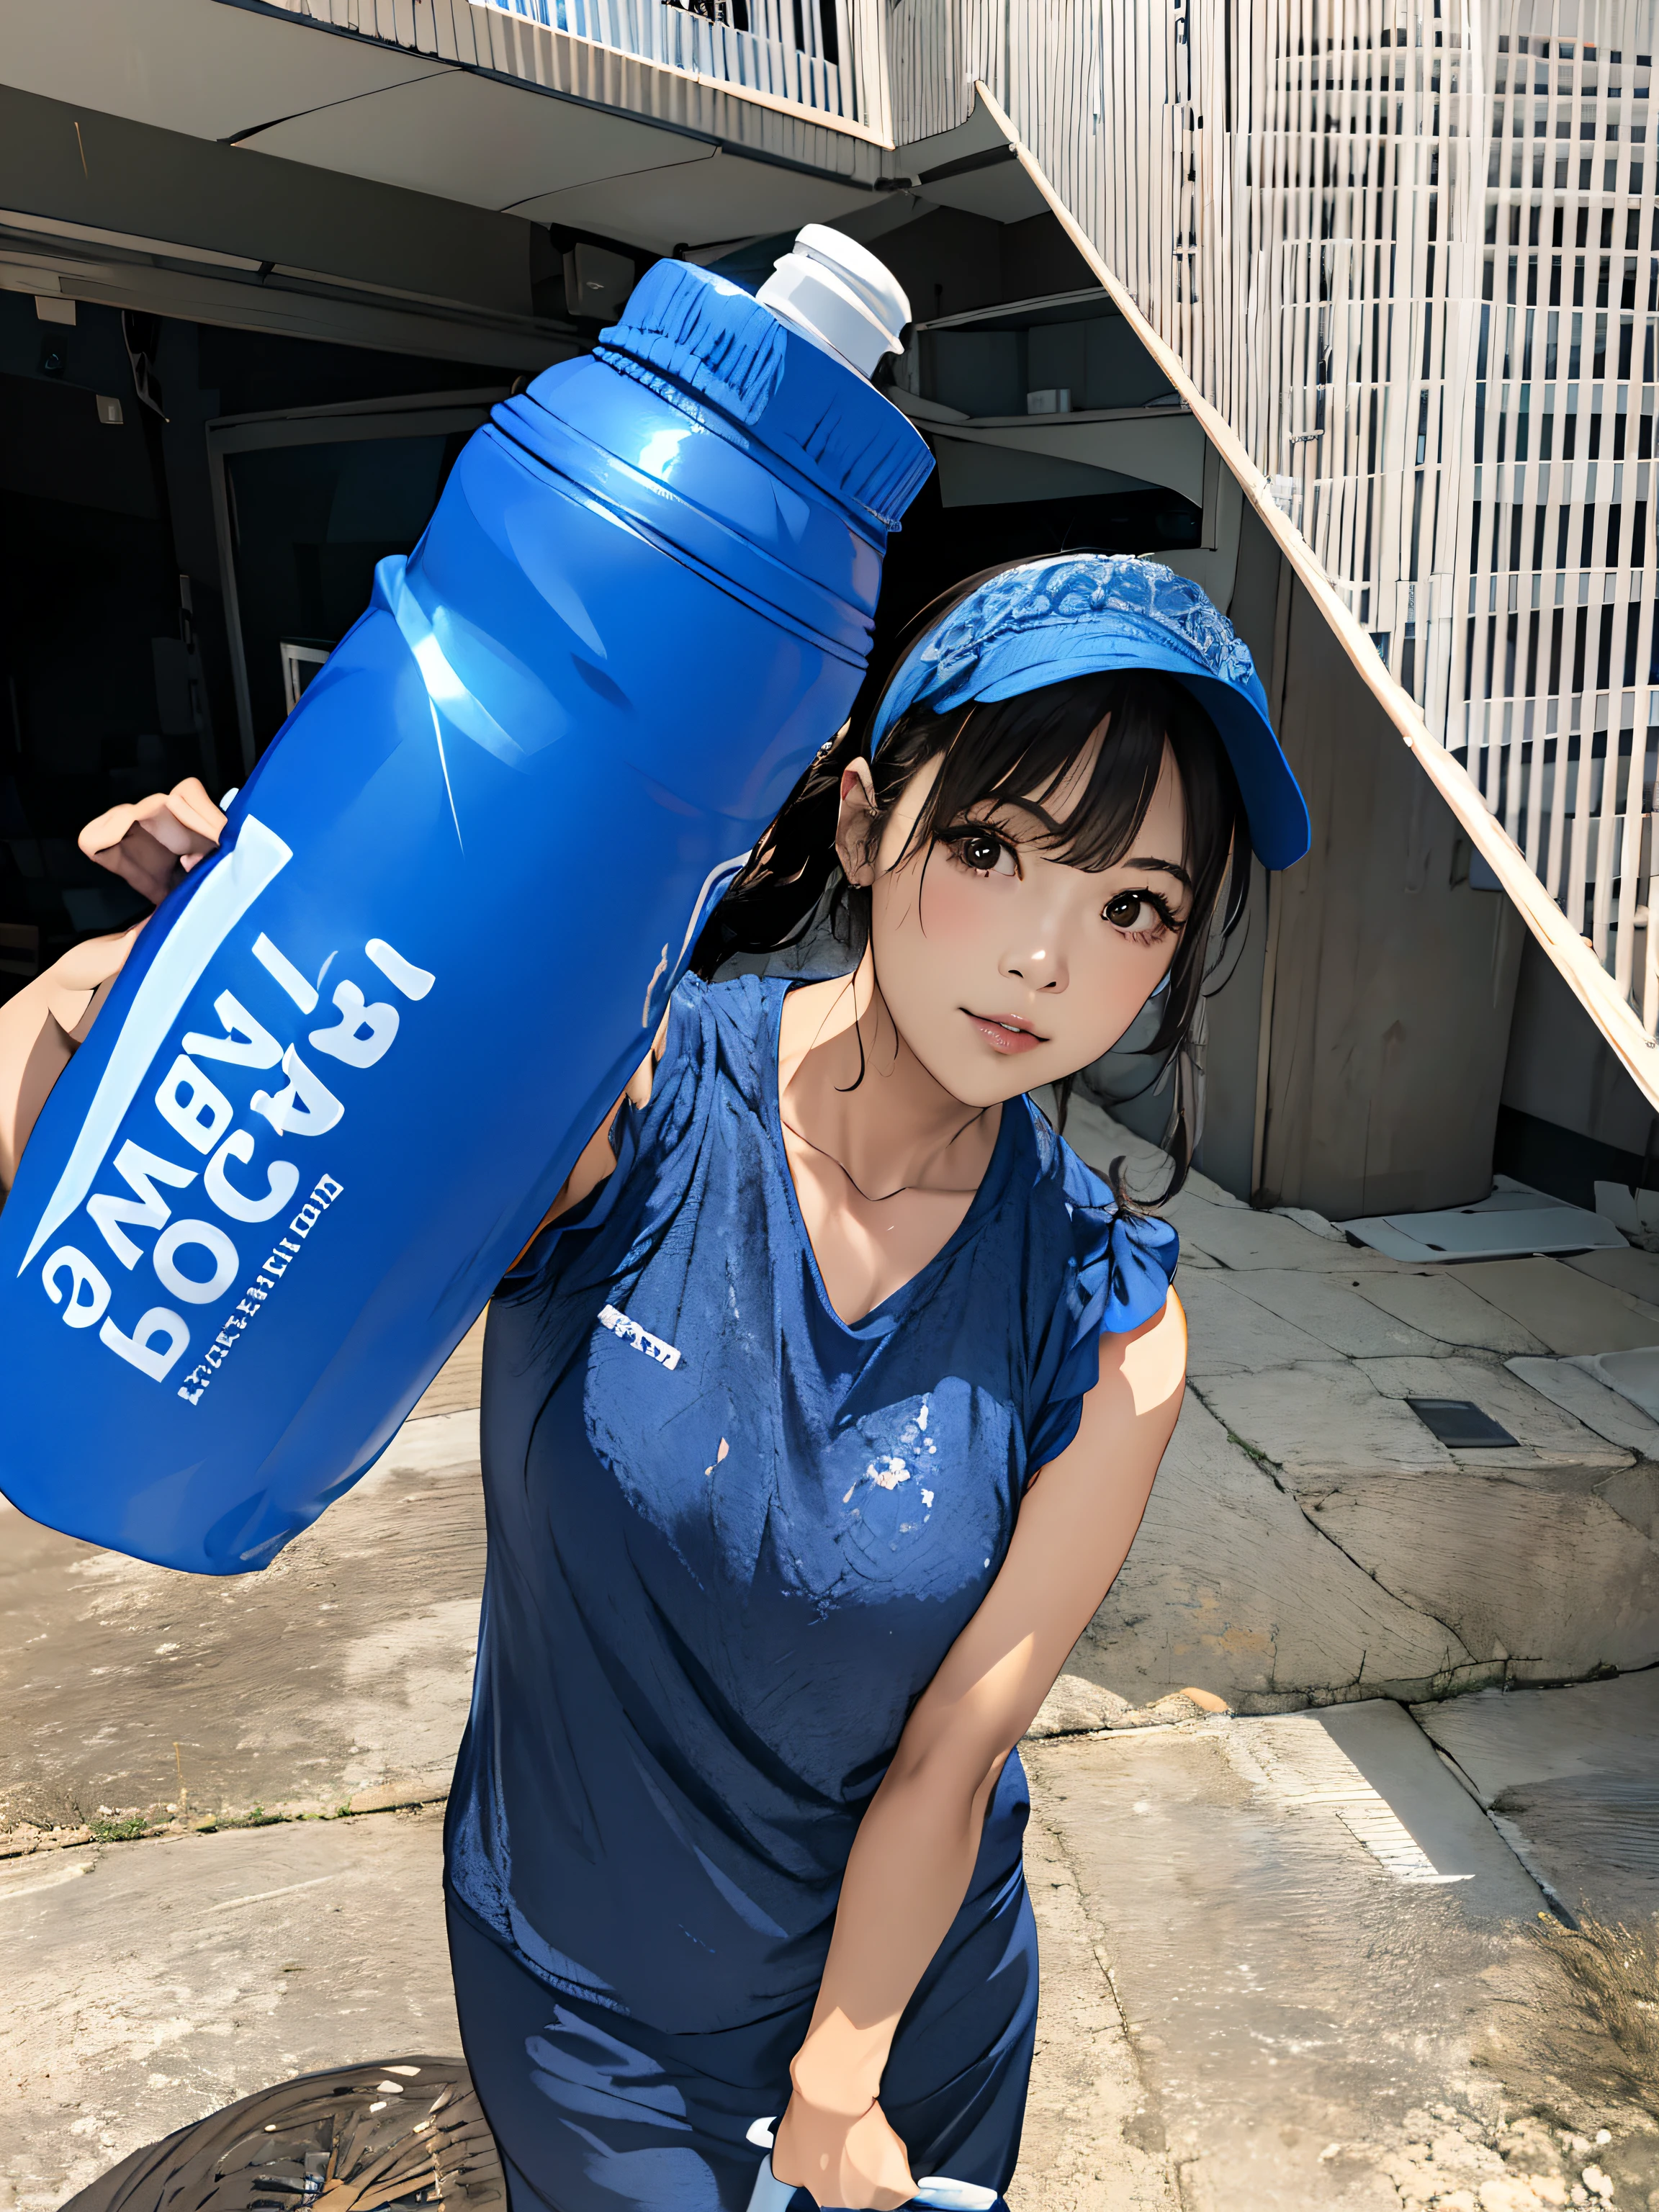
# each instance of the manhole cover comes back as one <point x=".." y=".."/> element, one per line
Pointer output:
<point x="404" y="2132"/>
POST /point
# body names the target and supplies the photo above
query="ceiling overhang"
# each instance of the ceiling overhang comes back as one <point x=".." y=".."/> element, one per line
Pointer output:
<point x="587" y="136"/>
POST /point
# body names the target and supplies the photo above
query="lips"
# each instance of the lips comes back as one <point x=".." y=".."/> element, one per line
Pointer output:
<point x="1005" y="1032"/>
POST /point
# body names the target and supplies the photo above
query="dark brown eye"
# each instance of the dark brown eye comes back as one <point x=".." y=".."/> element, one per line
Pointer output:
<point x="979" y="849"/>
<point x="1125" y="910"/>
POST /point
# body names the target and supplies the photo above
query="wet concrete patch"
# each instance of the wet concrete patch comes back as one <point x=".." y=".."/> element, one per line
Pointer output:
<point x="1290" y="2000"/>
<point x="1572" y="1776"/>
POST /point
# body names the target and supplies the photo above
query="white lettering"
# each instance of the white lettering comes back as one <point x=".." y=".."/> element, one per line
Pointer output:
<point x="141" y="1350"/>
<point x="81" y="1311"/>
<point x="362" y="1033"/>
<point x="414" y="982"/>
<point x="307" y="1107"/>
<point x="278" y="965"/>
<point x="282" y="1180"/>
<point x="619" y="1324"/>
<point x="244" y="1043"/>
<point x="193" y="1105"/>
<point x="141" y="1171"/>
<point x="213" y="1241"/>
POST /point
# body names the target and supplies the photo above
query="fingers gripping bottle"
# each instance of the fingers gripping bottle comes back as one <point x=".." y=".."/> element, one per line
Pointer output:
<point x="354" y="1056"/>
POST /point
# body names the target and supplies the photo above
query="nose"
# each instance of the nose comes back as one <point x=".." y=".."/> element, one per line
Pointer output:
<point x="1039" y="967"/>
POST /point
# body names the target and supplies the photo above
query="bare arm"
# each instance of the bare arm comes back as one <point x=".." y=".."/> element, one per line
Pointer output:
<point x="915" y="1853"/>
<point x="151" y="846"/>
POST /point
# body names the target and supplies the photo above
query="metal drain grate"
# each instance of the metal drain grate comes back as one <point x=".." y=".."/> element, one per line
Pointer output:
<point x="1460" y="1421"/>
<point x="382" y="2138"/>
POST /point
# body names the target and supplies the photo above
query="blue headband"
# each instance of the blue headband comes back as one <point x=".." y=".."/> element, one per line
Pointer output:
<point x="1086" y="614"/>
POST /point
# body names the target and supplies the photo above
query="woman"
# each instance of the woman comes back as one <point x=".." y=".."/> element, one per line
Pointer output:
<point x="736" y="1827"/>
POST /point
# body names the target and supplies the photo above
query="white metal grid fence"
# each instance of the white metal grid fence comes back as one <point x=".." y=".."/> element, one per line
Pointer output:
<point x="803" y="52"/>
<point x="1402" y="245"/>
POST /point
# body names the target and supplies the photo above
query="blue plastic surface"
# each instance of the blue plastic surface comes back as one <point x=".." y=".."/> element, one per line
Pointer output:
<point x="353" y="1059"/>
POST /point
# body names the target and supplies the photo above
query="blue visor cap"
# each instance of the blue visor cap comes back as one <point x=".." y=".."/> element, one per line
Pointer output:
<point x="1047" y="620"/>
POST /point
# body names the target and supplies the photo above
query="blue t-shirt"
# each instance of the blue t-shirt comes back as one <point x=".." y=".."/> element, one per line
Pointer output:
<point x="732" y="1537"/>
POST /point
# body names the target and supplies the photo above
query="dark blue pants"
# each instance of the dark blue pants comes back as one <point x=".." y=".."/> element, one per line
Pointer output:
<point x="596" y="2112"/>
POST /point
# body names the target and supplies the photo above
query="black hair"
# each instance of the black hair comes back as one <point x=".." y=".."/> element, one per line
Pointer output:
<point x="1018" y="749"/>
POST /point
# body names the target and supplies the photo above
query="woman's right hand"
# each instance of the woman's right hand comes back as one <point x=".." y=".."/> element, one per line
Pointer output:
<point x="851" y="2160"/>
<point x="154" y="844"/>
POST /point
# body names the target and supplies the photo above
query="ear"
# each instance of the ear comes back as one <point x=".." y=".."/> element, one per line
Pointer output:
<point x="855" y="824"/>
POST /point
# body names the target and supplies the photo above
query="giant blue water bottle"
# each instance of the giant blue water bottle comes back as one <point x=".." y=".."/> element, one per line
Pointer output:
<point x="354" y="1056"/>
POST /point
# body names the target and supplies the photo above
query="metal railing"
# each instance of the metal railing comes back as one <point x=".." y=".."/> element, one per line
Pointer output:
<point x="803" y="53"/>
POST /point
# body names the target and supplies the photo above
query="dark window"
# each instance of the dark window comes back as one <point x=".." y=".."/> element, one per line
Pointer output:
<point x="1578" y="633"/>
<point x="1555" y="653"/>
<point x="1604" y="651"/>
<point x="1638" y="535"/>
<point x="1538" y="541"/>
<point x="1612" y="536"/>
<point x="1632" y="621"/>
<point x="1531" y="652"/>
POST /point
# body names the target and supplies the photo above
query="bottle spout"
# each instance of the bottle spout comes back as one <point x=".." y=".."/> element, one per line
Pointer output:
<point x="835" y="293"/>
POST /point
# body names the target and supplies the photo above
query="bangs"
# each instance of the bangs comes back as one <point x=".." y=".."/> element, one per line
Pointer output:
<point x="1020" y="753"/>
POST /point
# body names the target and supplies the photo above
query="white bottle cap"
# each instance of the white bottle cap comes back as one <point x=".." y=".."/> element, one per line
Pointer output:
<point x="839" y="295"/>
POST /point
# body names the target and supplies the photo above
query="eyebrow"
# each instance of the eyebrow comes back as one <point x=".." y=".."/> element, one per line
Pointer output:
<point x="1161" y="867"/>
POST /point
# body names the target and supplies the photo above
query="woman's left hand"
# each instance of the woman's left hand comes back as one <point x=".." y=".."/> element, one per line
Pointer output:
<point x="852" y="2160"/>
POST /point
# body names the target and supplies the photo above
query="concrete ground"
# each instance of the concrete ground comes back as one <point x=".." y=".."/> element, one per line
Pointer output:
<point x="147" y="1983"/>
<point x="1309" y="1539"/>
<point x="1291" y="1959"/>
<point x="338" y="1677"/>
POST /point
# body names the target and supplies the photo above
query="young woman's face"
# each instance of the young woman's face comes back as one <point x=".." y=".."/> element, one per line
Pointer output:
<point x="1004" y="969"/>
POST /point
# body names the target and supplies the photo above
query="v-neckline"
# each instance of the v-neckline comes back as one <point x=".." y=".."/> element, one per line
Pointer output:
<point x="880" y="1317"/>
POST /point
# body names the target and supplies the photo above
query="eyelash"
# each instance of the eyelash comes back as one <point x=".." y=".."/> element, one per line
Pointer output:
<point x="971" y="832"/>
<point x="1160" y="906"/>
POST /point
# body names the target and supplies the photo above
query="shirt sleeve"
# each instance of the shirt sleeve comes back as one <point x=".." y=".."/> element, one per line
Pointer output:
<point x="636" y="1131"/>
<point x="1118" y="1276"/>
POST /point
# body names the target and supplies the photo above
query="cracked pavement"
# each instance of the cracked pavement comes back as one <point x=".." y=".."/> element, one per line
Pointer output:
<point x="1292" y="1953"/>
